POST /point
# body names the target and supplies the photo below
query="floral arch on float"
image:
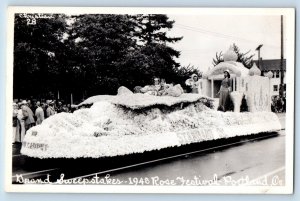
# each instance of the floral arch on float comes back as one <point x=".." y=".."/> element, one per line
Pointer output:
<point x="248" y="82"/>
<point x="129" y="123"/>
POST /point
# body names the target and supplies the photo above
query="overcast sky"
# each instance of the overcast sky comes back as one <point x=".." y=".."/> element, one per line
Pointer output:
<point x="205" y="35"/>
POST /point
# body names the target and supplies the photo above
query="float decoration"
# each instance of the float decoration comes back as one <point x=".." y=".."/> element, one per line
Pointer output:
<point x="254" y="70"/>
<point x="230" y="55"/>
<point x="110" y="128"/>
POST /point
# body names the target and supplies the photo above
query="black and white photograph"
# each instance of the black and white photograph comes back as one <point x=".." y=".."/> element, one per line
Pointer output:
<point x="150" y="100"/>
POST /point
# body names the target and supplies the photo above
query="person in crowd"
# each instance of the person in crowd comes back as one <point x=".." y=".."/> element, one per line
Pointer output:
<point x="44" y="106"/>
<point x="225" y="89"/>
<point x="65" y="108"/>
<point x="39" y="113"/>
<point x="27" y="115"/>
<point x="50" y="109"/>
<point x="29" y="104"/>
<point x="283" y="104"/>
<point x="193" y="83"/>
<point x="69" y="107"/>
<point x="59" y="107"/>
<point x="273" y="105"/>
<point x="21" y="123"/>
<point x="279" y="104"/>
<point x="34" y="106"/>
<point x="15" y="136"/>
<point x="54" y="104"/>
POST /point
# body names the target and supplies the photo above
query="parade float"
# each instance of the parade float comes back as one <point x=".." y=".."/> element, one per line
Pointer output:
<point x="130" y="123"/>
<point x="245" y="82"/>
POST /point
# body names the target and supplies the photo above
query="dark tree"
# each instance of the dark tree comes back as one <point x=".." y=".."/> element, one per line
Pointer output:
<point x="152" y="28"/>
<point x="124" y="50"/>
<point x="36" y="68"/>
<point x="103" y="41"/>
<point x="153" y="56"/>
<point x="93" y="54"/>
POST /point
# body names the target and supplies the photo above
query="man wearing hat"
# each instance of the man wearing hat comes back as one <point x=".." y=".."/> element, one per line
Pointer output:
<point x="39" y="113"/>
<point x="193" y="83"/>
<point x="27" y="115"/>
<point x="50" y="109"/>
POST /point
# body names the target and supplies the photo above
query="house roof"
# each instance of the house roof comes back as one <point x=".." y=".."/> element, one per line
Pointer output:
<point x="270" y="64"/>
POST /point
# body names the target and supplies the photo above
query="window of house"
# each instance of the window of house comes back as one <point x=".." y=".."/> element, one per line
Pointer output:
<point x="275" y="87"/>
<point x="277" y="74"/>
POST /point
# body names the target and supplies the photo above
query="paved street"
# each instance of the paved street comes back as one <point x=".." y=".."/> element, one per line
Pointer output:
<point x="252" y="159"/>
<point x="255" y="159"/>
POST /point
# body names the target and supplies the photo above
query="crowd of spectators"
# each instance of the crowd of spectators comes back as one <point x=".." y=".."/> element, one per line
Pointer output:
<point x="28" y="113"/>
<point x="278" y="104"/>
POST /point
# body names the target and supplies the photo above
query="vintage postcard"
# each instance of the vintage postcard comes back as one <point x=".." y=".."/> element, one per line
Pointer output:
<point x="150" y="100"/>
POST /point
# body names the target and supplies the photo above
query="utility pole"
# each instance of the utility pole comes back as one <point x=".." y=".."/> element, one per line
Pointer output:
<point x="258" y="59"/>
<point x="281" y="58"/>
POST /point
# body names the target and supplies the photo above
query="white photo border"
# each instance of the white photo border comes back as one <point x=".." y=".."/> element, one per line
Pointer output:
<point x="289" y="13"/>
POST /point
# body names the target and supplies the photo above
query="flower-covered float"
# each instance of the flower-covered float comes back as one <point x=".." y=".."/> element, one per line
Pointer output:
<point x="134" y="123"/>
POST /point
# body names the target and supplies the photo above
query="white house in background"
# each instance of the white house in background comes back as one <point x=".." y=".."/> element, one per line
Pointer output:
<point x="273" y="65"/>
